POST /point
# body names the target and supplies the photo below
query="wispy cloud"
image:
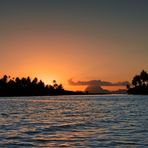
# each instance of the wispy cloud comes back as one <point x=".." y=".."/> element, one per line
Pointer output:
<point x="97" y="82"/>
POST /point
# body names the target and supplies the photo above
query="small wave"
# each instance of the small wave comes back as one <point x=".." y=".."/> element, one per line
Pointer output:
<point x="64" y="127"/>
<point x="4" y="115"/>
<point x="124" y="143"/>
<point x="19" y="145"/>
<point x="32" y="132"/>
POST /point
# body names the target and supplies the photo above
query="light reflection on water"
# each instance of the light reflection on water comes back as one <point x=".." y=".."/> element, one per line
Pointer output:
<point x="74" y="121"/>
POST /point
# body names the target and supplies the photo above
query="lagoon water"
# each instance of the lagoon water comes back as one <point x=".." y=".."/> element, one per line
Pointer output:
<point x="74" y="121"/>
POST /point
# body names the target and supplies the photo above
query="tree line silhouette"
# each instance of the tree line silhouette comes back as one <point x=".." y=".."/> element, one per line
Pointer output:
<point x="139" y="84"/>
<point x="27" y="87"/>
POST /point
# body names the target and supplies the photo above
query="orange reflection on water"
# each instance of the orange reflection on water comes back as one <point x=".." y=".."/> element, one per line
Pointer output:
<point x="69" y="138"/>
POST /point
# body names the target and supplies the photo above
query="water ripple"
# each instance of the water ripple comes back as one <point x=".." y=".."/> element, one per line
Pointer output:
<point x="74" y="121"/>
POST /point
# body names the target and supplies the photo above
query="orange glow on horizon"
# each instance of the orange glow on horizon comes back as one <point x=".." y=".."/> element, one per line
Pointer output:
<point x="60" y="41"/>
<point x="113" y="88"/>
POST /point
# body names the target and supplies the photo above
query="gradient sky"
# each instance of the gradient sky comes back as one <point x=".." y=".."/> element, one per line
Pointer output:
<point x="78" y="39"/>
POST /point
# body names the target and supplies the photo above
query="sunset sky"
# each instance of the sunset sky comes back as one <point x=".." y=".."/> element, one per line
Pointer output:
<point x="82" y="40"/>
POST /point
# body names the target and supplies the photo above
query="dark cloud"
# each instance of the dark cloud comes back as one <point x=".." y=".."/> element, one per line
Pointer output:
<point x="96" y="89"/>
<point x="97" y="83"/>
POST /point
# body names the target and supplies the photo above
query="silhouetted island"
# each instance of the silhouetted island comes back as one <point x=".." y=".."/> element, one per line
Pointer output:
<point x="139" y="84"/>
<point x="27" y="87"/>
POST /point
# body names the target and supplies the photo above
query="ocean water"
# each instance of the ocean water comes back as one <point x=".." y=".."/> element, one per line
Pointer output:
<point x="74" y="121"/>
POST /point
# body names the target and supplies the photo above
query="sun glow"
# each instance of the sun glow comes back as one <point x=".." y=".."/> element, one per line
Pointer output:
<point x="56" y="46"/>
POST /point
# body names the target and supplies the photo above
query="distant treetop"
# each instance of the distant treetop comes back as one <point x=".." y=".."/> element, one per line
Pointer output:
<point x="139" y="84"/>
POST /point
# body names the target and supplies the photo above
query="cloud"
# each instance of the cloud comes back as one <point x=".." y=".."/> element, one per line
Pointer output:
<point x="96" y="89"/>
<point x="97" y="83"/>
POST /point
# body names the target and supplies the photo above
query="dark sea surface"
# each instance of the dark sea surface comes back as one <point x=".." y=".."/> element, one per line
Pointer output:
<point x="74" y="121"/>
